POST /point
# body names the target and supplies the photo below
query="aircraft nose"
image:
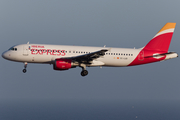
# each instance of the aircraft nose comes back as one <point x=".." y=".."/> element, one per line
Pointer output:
<point x="4" y="55"/>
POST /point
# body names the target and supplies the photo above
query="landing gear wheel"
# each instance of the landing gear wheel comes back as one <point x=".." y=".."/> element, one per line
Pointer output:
<point x="24" y="70"/>
<point x="84" y="73"/>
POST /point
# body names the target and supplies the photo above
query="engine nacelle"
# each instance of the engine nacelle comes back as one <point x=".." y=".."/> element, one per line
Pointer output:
<point x="62" y="64"/>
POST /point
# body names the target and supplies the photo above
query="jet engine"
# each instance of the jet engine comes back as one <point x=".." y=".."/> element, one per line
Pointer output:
<point x="63" y="64"/>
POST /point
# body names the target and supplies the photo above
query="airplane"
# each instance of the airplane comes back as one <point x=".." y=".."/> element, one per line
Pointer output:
<point x="65" y="57"/>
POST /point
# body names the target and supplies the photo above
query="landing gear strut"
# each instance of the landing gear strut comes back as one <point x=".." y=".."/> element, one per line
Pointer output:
<point x="84" y="72"/>
<point x="25" y="66"/>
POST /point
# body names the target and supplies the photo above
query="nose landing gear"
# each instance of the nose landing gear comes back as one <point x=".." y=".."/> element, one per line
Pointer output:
<point x="24" y="70"/>
<point x="25" y="66"/>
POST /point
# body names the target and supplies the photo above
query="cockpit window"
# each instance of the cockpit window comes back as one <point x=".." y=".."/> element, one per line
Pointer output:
<point x="11" y="48"/>
<point x="14" y="49"/>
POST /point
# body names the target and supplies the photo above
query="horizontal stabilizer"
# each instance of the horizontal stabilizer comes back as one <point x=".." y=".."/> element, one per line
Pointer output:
<point x="168" y="55"/>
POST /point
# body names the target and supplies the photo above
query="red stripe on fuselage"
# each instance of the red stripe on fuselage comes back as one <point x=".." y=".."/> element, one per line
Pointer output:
<point x="145" y="56"/>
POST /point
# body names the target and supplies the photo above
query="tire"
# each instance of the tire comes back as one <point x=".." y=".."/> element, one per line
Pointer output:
<point x="84" y="73"/>
<point x="24" y="70"/>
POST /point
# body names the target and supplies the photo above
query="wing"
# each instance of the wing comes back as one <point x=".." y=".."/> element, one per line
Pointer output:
<point x="87" y="58"/>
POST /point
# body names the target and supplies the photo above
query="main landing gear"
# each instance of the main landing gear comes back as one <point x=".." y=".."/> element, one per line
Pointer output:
<point x="25" y="66"/>
<point x="84" y="72"/>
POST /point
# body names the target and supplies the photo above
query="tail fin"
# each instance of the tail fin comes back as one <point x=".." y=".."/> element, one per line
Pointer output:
<point x="161" y="41"/>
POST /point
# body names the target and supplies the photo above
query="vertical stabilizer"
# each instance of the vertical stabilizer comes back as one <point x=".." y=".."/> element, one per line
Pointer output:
<point x="161" y="41"/>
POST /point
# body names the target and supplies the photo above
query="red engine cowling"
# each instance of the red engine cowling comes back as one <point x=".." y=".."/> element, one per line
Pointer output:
<point x="62" y="64"/>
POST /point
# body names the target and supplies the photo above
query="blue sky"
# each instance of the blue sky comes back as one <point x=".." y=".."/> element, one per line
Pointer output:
<point x="115" y="23"/>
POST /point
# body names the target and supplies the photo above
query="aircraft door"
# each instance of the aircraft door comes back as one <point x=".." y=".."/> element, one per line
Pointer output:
<point x="25" y="50"/>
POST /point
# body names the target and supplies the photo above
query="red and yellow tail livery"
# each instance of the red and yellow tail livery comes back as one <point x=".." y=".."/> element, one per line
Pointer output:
<point x="162" y="39"/>
<point x="157" y="48"/>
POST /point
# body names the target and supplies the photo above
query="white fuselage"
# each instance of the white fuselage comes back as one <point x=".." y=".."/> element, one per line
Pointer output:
<point x="41" y="53"/>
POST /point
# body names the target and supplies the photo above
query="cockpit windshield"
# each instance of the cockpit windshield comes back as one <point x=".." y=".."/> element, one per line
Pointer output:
<point x="12" y="48"/>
